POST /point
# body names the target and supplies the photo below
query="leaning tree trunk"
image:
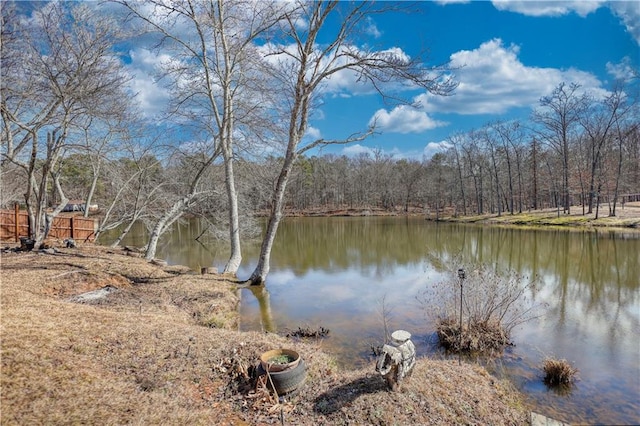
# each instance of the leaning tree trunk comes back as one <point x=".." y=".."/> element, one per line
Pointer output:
<point x="92" y="190"/>
<point x="124" y="232"/>
<point x="163" y="224"/>
<point x="259" y="275"/>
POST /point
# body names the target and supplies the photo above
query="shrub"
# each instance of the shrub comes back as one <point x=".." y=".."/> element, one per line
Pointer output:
<point x="558" y="372"/>
<point x="476" y="337"/>
<point x="493" y="304"/>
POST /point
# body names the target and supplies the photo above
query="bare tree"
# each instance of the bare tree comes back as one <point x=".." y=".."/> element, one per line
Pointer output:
<point x="602" y="127"/>
<point x="134" y="184"/>
<point x="475" y="164"/>
<point x="61" y="73"/>
<point x="213" y="69"/>
<point x="410" y="173"/>
<point x="559" y="113"/>
<point x="184" y="198"/>
<point x="456" y="143"/>
<point x="511" y="135"/>
<point x="302" y="64"/>
<point x="100" y="140"/>
<point x="491" y="145"/>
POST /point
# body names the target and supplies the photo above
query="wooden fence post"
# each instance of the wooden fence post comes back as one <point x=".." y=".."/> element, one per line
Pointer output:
<point x="72" y="236"/>
<point x="15" y="217"/>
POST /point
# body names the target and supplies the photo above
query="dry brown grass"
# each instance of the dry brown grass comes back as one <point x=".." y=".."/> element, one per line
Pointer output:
<point x="477" y="337"/>
<point x="558" y="372"/>
<point x="163" y="349"/>
<point x="627" y="219"/>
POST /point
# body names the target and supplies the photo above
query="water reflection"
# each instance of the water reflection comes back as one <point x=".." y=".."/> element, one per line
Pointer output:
<point x="266" y="317"/>
<point x="334" y="272"/>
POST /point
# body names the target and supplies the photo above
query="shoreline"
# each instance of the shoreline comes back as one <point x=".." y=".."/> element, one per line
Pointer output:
<point x="162" y="345"/>
<point x="627" y="219"/>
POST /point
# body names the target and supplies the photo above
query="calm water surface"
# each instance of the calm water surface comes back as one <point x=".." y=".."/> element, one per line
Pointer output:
<point x="335" y="272"/>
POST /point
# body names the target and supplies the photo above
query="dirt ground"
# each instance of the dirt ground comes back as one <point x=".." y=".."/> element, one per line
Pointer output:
<point x="162" y="347"/>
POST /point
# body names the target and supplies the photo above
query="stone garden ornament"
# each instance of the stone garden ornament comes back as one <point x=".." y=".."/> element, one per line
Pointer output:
<point x="396" y="361"/>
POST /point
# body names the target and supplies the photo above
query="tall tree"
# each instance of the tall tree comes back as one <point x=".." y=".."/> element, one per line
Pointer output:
<point x="534" y="173"/>
<point x="558" y="116"/>
<point x="456" y="141"/>
<point x="490" y="140"/>
<point x="410" y="173"/>
<point x="303" y="61"/>
<point x="511" y="135"/>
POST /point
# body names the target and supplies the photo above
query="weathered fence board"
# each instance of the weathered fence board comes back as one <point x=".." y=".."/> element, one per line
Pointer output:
<point x="15" y="224"/>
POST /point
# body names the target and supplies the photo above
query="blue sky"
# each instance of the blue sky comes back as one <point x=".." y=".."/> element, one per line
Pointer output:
<point x="512" y="54"/>
<point x="509" y="54"/>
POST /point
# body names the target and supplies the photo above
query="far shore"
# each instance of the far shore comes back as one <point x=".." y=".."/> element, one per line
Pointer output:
<point x="627" y="218"/>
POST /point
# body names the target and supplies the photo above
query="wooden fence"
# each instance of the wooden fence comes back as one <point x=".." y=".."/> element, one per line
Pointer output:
<point x="15" y="224"/>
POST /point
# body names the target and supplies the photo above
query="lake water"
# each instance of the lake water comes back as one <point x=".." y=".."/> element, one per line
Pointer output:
<point x="336" y="273"/>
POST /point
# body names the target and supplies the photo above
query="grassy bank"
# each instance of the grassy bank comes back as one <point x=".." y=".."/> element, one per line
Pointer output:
<point x="163" y="348"/>
<point x="627" y="219"/>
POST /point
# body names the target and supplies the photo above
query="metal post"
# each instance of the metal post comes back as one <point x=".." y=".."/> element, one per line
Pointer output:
<point x="461" y="275"/>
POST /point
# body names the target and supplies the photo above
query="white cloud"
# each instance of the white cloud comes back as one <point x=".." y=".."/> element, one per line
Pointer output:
<point x="313" y="133"/>
<point x="356" y="149"/>
<point x="548" y="8"/>
<point x="622" y="70"/>
<point x="371" y="28"/>
<point x="395" y="153"/>
<point x="629" y="13"/>
<point x="433" y="148"/>
<point x="404" y="119"/>
<point x="493" y="80"/>
<point x="144" y="68"/>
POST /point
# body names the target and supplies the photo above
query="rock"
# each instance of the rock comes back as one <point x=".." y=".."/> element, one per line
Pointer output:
<point x="159" y="262"/>
<point x="94" y="295"/>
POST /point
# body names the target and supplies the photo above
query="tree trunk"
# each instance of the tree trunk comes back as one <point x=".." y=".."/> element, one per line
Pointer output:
<point x="259" y="275"/>
<point x="565" y="180"/>
<point x="495" y="172"/>
<point x="534" y="167"/>
<point x="124" y="232"/>
<point x="460" y="178"/>
<point x="163" y="224"/>
<point x="92" y="190"/>
<point x="618" y="174"/>
<point x="234" y="224"/>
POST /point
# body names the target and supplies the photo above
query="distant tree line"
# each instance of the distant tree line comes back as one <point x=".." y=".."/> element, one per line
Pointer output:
<point x="575" y="150"/>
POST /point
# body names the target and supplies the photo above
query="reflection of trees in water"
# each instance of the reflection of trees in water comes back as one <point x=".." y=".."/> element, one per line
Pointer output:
<point x="367" y="244"/>
<point x="596" y="274"/>
<point x="261" y="294"/>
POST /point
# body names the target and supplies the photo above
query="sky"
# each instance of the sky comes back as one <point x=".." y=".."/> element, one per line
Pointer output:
<point x="506" y="55"/>
<point x="510" y="54"/>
